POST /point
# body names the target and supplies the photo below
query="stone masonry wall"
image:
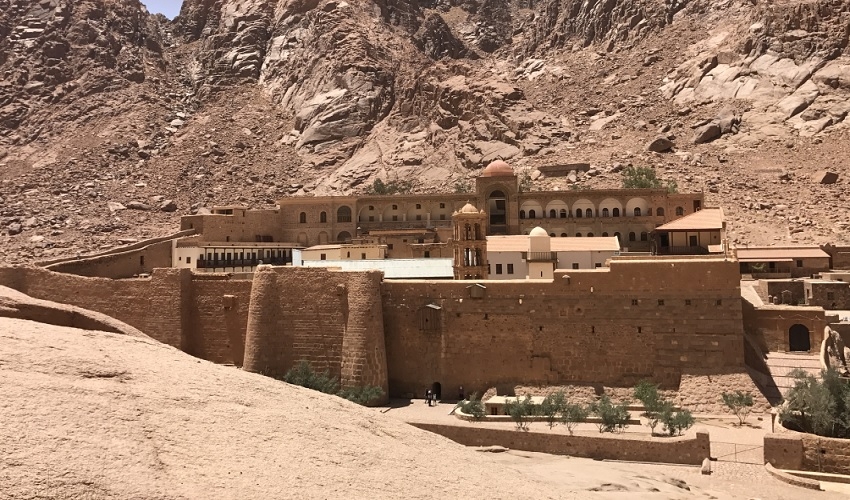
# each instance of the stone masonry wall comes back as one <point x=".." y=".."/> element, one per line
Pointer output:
<point x="681" y="450"/>
<point x="799" y="451"/>
<point x="331" y="319"/>
<point x="639" y="319"/>
<point x="218" y="317"/>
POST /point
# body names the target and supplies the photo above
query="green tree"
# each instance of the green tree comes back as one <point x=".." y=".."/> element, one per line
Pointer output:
<point x="647" y="393"/>
<point x="741" y="404"/>
<point x="474" y="407"/>
<point x="573" y="414"/>
<point x="552" y="407"/>
<point x="521" y="411"/>
<point x="380" y="187"/>
<point x="645" y="178"/>
<point x="819" y="407"/>
<point x="612" y="417"/>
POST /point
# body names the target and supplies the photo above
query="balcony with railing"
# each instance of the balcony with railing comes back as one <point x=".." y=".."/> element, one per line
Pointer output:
<point x="540" y="256"/>
<point x="232" y="263"/>
<point x="683" y="250"/>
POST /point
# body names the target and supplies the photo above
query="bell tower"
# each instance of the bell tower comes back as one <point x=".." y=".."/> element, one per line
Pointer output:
<point x="469" y="243"/>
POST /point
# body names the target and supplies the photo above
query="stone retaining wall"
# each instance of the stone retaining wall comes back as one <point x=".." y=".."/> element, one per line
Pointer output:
<point x="798" y="451"/>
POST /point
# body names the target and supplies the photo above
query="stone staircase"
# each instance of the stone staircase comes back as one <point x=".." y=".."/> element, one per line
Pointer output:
<point x="781" y="364"/>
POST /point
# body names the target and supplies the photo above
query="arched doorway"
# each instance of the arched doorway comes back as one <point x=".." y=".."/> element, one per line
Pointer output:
<point x="799" y="339"/>
<point x="497" y="209"/>
<point x="344" y="237"/>
<point x="436" y="390"/>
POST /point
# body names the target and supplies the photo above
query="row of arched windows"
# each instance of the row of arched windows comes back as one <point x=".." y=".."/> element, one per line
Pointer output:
<point x="588" y="213"/>
<point x="644" y="236"/>
<point x="343" y="214"/>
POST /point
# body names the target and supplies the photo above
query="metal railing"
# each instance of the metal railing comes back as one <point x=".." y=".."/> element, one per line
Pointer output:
<point x="224" y="263"/>
<point x="540" y="256"/>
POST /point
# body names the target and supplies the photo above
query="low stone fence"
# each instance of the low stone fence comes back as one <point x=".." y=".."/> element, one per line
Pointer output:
<point x="798" y="451"/>
<point x="676" y="450"/>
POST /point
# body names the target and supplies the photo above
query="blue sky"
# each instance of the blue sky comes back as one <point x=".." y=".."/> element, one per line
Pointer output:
<point x="168" y="7"/>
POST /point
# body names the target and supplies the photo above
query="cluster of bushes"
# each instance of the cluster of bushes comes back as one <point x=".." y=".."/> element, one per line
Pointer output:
<point x="820" y="407"/>
<point x="645" y="178"/>
<point x="557" y="409"/>
<point x="658" y="410"/>
<point x="390" y="187"/>
<point x="302" y="374"/>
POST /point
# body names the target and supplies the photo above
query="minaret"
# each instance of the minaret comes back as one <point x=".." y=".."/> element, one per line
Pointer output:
<point x="470" y="243"/>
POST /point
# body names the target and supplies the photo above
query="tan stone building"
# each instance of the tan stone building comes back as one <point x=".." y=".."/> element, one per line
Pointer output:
<point x="411" y="225"/>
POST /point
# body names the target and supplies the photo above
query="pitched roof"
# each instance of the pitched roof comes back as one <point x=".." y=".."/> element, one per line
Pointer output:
<point x="755" y="254"/>
<point x="702" y="220"/>
<point x="519" y="243"/>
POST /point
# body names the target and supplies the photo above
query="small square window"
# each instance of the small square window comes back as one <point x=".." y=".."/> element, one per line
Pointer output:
<point x="598" y="265"/>
<point x="660" y="302"/>
<point x="575" y="265"/>
<point x="395" y="218"/>
<point x="371" y="207"/>
<point x="323" y="257"/>
<point x="442" y="205"/>
<point x="718" y="302"/>
<point x="418" y="217"/>
<point x="418" y="206"/>
<point x="395" y="207"/>
<point x="799" y="263"/>
<point x="188" y="260"/>
<point x="639" y="329"/>
<point x="362" y="256"/>
<point x="427" y="254"/>
<point x="389" y="246"/>
<point x="498" y="269"/>
<point x="687" y="302"/>
<point x="634" y="302"/>
<point x="510" y="268"/>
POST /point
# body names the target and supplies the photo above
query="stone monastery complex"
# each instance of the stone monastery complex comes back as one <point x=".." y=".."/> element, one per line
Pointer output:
<point x="495" y="288"/>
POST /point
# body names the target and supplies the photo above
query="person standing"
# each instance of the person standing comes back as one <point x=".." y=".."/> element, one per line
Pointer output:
<point x="428" y="396"/>
<point x="460" y="393"/>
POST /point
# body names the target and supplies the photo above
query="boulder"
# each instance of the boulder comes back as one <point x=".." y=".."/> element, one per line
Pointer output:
<point x="660" y="145"/>
<point x="168" y="206"/>
<point x="707" y="133"/>
<point x="14" y="229"/>
<point x="137" y="205"/>
<point x="825" y="177"/>
<point x="114" y="206"/>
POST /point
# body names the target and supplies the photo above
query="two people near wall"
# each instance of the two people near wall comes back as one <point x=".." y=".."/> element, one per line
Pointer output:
<point x="431" y="396"/>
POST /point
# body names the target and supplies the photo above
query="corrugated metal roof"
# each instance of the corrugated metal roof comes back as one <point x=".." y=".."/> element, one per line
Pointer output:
<point x="519" y="243"/>
<point x="394" y="268"/>
<point x="774" y="253"/>
<point x="703" y="220"/>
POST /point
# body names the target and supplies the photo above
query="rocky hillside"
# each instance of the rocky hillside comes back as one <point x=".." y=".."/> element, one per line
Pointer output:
<point x="113" y="122"/>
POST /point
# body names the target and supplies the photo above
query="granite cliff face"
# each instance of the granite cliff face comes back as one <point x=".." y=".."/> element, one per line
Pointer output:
<point x="113" y="122"/>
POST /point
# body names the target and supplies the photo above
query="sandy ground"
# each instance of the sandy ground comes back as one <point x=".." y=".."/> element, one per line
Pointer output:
<point x="96" y="415"/>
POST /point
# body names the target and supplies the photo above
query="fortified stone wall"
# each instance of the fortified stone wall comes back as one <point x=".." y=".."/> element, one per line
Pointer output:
<point x="218" y="318"/>
<point x="331" y="319"/>
<point x="799" y="451"/>
<point x="679" y="450"/>
<point x="638" y="319"/>
<point x="120" y="265"/>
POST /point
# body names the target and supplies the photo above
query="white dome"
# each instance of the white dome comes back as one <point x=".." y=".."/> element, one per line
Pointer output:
<point x="538" y="231"/>
<point x="468" y="209"/>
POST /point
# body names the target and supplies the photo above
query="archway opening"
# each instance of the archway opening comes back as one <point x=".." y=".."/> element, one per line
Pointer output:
<point x="497" y="208"/>
<point x="436" y="390"/>
<point x="799" y="339"/>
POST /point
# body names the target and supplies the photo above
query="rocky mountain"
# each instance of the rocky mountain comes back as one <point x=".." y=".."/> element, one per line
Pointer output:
<point x="113" y="122"/>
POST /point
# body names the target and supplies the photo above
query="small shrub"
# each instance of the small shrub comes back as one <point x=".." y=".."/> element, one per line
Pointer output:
<point x="741" y="404"/>
<point x="521" y="412"/>
<point x="647" y="393"/>
<point x="645" y="178"/>
<point x="302" y="374"/>
<point x="390" y="187"/>
<point x="573" y="414"/>
<point x="613" y="417"/>
<point x="552" y="407"/>
<point x="473" y="406"/>
<point x="676" y="422"/>
<point x="462" y="186"/>
<point x="658" y="414"/>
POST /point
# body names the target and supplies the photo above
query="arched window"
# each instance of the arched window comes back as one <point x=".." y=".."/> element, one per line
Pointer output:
<point x="588" y="213"/>
<point x="680" y="211"/>
<point x="553" y="214"/>
<point x="323" y="217"/>
<point x="302" y="218"/>
<point x="616" y="212"/>
<point x="659" y="212"/>
<point x="532" y="214"/>
<point x="617" y="234"/>
<point x="563" y="213"/>
<point x="578" y="235"/>
<point x="552" y="234"/>
<point x="522" y="214"/>
<point x="631" y="236"/>
<point x="605" y="212"/>
<point x="643" y="236"/>
<point x="343" y="214"/>
<point x="578" y="213"/>
<point x="605" y="234"/>
<point x="637" y="211"/>
<point x="590" y="235"/>
<point x="563" y="235"/>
